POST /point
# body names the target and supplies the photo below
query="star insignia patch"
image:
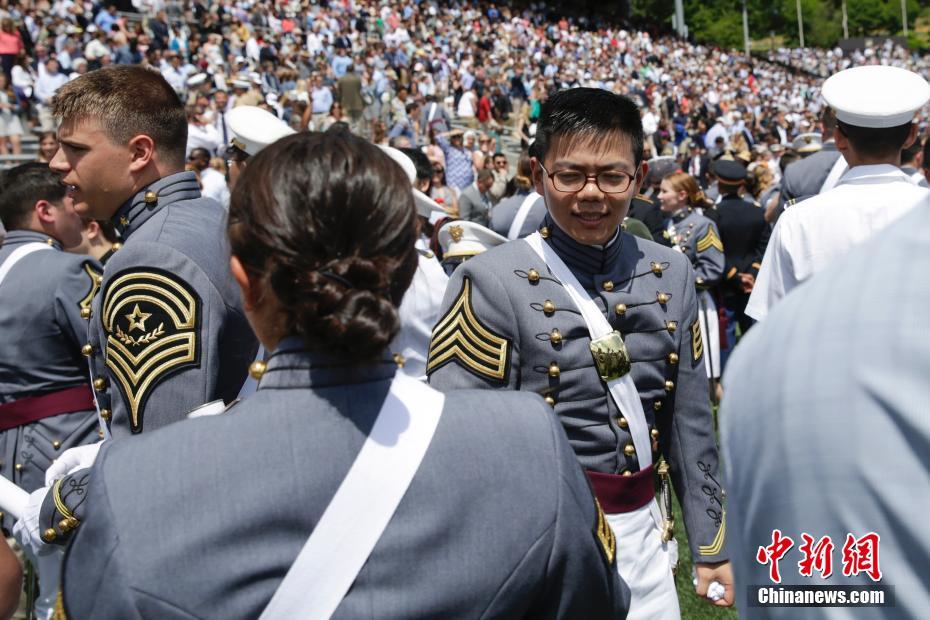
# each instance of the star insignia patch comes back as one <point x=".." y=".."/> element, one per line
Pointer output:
<point x="152" y="321"/>
<point x="461" y="337"/>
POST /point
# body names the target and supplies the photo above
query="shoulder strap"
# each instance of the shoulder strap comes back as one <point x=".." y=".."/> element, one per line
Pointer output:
<point x="18" y="254"/>
<point x="365" y="502"/>
<point x="839" y="168"/>
<point x="622" y="390"/>
<point x="521" y="215"/>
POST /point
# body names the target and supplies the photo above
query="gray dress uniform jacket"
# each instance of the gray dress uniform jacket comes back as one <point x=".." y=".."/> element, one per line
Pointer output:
<point x="810" y="391"/>
<point x="804" y="178"/>
<point x="504" y="212"/>
<point x="508" y="324"/>
<point x="41" y="302"/>
<point x="168" y="332"/>
<point x="698" y="238"/>
<point x="498" y="521"/>
<point x="473" y="206"/>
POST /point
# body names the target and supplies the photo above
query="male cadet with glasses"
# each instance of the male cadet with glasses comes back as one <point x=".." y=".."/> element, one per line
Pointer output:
<point x="875" y="108"/>
<point x="167" y="329"/>
<point x="46" y="403"/>
<point x="605" y="327"/>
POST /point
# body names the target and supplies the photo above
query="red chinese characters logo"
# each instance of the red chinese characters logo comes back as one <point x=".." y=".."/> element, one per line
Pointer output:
<point x="773" y="553"/>
<point x="860" y="555"/>
<point x="817" y="556"/>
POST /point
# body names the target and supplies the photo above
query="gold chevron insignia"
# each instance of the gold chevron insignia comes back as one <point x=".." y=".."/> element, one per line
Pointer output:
<point x="697" y="343"/>
<point x="717" y="545"/>
<point x="152" y="320"/>
<point x="710" y="240"/>
<point x="95" y="279"/>
<point x="461" y="337"/>
<point x="605" y="535"/>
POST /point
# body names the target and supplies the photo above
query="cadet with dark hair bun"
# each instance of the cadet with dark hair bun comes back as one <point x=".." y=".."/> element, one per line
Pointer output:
<point x="497" y="520"/>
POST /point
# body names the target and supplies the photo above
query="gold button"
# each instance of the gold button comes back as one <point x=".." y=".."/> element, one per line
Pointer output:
<point x="49" y="242"/>
<point x="555" y="336"/>
<point x="554" y="370"/>
<point x="19" y="467"/>
<point x="85" y="313"/>
<point x="533" y="276"/>
<point x="56" y="444"/>
<point x="398" y="359"/>
<point x="106" y="414"/>
<point x="548" y="307"/>
<point x="657" y="406"/>
<point x="49" y="535"/>
<point x="672" y="358"/>
<point x="87" y="350"/>
<point x="117" y="246"/>
<point x="544" y="232"/>
<point x="656" y="268"/>
<point x="669" y="385"/>
<point x="671" y="326"/>
<point x="549" y="399"/>
<point x="100" y="384"/>
<point x="257" y="369"/>
<point x="629" y="450"/>
<point x="65" y="526"/>
<point x="150" y="197"/>
<point x="654" y="433"/>
<point x="98" y="280"/>
<point x="622" y="423"/>
<point x="662" y="298"/>
<point x="626" y="473"/>
<point x="620" y="309"/>
<point x="608" y="286"/>
<point x="123" y="220"/>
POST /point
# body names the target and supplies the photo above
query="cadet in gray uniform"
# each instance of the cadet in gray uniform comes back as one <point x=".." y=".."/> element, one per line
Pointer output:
<point x="825" y="429"/>
<point x="498" y="520"/>
<point x="504" y="213"/>
<point x="167" y="333"/>
<point x="806" y="177"/>
<point x="46" y="404"/>
<point x="509" y="324"/>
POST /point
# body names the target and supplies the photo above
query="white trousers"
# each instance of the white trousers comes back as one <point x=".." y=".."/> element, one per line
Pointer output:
<point x="710" y="333"/>
<point x="645" y="564"/>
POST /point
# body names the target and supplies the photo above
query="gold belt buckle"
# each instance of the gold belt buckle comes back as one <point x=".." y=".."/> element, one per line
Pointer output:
<point x="610" y="356"/>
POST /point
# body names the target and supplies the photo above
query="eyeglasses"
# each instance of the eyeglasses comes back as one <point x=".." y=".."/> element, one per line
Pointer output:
<point x="609" y="181"/>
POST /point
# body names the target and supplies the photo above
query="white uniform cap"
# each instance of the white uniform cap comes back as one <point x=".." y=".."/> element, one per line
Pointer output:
<point x="426" y="206"/>
<point x="254" y="128"/>
<point x="808" y="143"/>
<point x="876" y="96"/>
<point x="463" y="238"/>
<point x="197" y="79"/>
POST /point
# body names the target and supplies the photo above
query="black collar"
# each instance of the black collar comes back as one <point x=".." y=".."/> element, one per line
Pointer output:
<point x="586" y="258"/>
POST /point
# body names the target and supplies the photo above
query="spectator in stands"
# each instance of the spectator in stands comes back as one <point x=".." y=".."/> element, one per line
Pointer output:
<point x="11" y="128"/>
<point x="48" y="146"/>
<point x="11" y="45"/>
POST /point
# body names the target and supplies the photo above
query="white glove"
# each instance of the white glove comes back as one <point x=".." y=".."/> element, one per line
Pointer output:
<point x="71" y="460"/>
<point x="27" y="530"/>
<point x="715" y="590"/>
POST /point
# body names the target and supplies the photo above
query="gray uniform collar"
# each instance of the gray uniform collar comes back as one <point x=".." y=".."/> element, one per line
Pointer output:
<point x="167" y="190"/>
<point x="291" y="366"/>
<point x="20" y="237"/>
<point x="586" y="258"/>
<point x="681" y="214"/>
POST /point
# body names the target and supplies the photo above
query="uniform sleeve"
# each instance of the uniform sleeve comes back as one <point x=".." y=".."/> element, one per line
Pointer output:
<point x="159" y="335"/>
<point x="465" y="206"/>
<point x="95" y="582"/>
<point x="73" y="299"/>
<point x="708" y="268"/>
<point x="475" y="343"/>
<point x="776" y="274"/>
<point x="582" y="576"/>
<point x="692" y="448"/>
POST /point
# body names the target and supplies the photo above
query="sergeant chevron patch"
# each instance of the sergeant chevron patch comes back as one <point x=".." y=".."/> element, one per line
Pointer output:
<point x="605" y="535"/>
<point x="709" y="240"/>
<point x="152" y="319"/>
<point x="94" y="276"/>
<point x="460" y="337"/>
<point x="697" y="344"/>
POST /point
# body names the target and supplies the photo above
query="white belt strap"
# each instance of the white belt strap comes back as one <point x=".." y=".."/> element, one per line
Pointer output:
<point x="18" y="254"/>
<point x="622" y="390"/>
<point x="521" y="215"/>
<point x="359" y="512"/>
<point x="839" y="168"/>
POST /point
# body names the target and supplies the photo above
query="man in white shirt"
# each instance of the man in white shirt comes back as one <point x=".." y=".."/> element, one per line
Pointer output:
<point x="321" y="101"/>
<point x="49" y="81"/>
<point x="875" y="107"/>
<point x="212" y="181"/>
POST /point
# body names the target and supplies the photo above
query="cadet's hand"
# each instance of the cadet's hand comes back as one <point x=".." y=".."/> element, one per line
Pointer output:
<point x="71" y="460"/>
<point x="746" y="282"/>
<point x="720" y="572"/>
